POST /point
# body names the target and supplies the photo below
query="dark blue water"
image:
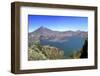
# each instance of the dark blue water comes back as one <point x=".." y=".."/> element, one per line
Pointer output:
<point x="70" y="45"/>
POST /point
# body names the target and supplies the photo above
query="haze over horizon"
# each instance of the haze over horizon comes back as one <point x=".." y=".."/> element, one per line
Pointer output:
<point x="42" y="27"/>
<point x="57" y="23"/>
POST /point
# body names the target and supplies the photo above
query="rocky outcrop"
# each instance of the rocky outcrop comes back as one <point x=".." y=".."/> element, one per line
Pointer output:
<point x="84" y="52"/>
<point x="38" y="52"/>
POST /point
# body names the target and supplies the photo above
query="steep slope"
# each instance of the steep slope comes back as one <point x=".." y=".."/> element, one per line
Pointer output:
<point x="45" y="33"/>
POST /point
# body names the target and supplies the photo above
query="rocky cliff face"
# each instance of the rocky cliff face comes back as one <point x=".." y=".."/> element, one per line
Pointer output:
<point x="38" y="52"/>
<point x="82" y="53"/>
<point x="45" y="52"/>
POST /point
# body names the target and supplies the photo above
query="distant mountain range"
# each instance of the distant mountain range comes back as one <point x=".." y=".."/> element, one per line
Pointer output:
<point x="55" y="36"/>
<point x="69" y="42"/>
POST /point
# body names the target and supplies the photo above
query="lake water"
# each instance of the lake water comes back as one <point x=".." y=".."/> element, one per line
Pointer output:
<point x="69" y="46"/>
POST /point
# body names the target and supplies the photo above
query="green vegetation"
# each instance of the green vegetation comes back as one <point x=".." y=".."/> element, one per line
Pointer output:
<point x="34" y="55"/>
<point x="38" y="52"/>
<point x="35" y="42"/>
<point x="82" y="53"/>
<point x="52" y="52"/>
<point x="75" y="55"/>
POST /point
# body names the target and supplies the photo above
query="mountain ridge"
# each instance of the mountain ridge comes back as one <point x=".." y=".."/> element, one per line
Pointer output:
<point x="45" y="28"/>
<point x="48" y="34"/>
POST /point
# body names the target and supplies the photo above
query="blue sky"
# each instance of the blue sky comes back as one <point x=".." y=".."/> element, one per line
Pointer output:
<point x="57" y="23"/>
